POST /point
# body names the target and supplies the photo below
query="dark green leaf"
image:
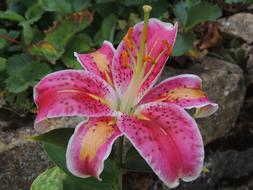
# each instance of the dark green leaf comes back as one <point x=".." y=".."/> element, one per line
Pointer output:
<point x="2" y="63"/>
<point x="80" y="44"/>
<point x="184" y="43"/>
<point x="12" y="16"/>
<point x="180" y="11"/>
<point x="34" y="13"/>
<point x="28" y="32"/>
<point x="79" y="5"/>
<point x="18" y="102"/>
<point x="57" y="37"/>
<point x="134" y="162"/>
<point x="61" y="6"/>
<point x="23" y="72"/>
<point x="137" y="2"/>
<point x="159" y="8"/>
<point x="108" y="27"/>
<point x="55" y="144"/>
<point x="238" y="1"/>
<point x="55" y="179"/>
<point x="204" y="11"/>
<point x="11" y="34"/>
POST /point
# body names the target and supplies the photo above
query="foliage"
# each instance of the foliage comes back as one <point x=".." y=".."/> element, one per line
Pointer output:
<point x="40" y="36"/>
<point x="189" y="13"/>
<point x="238" y="1"/>
<point x="55" y="144"/>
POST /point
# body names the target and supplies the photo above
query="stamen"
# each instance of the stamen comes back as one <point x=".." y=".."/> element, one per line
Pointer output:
<point x="128" y="38"/>
<point x="130" y="33"/>
<point x="124" y="58"/>
<point x="168" y="46"/>
<point x="148" y="59"/>
<point x="128" y="43"/>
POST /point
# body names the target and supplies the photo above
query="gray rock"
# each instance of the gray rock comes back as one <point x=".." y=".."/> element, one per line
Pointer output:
<point x="249" y="65"/>
<point x="21" y="161"/>
<point x="224" y="84"/>
<point x="227" y="166"/>
<point x="239" y="25"/>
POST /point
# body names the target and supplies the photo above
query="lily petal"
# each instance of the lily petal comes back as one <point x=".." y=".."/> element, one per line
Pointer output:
<point x="168" y="139"/>
<point x="99" y="62"/>
<point x="90" y="145"/>
<point x="72" y="93"/>
<point x="185" y="91"/>
<point x="160" y="40"/>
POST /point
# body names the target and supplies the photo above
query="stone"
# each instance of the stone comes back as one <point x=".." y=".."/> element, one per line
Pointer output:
<point x="21" y="160"/>
<point x="224" y="84"/>
<point x="224" y="167"/>
<point x="247" y="65"/>
<point x="239" y="25"/>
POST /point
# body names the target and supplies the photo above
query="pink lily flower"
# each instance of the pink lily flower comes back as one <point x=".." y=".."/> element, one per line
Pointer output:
<point x="115" y="90"/>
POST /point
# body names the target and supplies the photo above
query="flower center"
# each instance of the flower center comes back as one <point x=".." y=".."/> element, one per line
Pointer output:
<point x="140" y="63"/>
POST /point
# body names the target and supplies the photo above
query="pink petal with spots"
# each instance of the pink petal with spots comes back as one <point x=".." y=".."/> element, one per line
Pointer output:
<point x="99" y="62"/>
<point x="72" y="93"/>
<point x="90" y="145"/>
<point x="185" y="91"/>
<point x="159" y="35"/>
<point x="168" y="139"/>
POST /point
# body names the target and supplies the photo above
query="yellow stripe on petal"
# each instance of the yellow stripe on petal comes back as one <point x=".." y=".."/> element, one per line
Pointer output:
<point x="182" y="93"/>
<point x="98" y="98"/>
<point x="95" y="137"/>
<point x="101" y="61"/>
<point x="143" y="117"/>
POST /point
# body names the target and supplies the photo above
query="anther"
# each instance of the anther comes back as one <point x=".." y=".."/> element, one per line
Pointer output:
<point x="127" y="42"/>
<point x="148" y="59"/>
<point x="169" y="47"/>
<point x="124" y="57"/>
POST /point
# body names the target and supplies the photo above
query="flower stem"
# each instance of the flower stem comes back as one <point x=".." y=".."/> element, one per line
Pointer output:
<point x="121" y="144"/>
<point x="120" y="156"/>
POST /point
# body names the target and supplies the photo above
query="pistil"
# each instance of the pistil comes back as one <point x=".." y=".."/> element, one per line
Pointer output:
<point x="129" y="98"/>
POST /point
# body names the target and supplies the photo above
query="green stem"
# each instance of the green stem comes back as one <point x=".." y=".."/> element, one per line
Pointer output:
<point x="121" y="146"/>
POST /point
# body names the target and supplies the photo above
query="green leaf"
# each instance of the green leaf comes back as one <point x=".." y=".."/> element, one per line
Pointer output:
<point x="79" y="5"/>
<point x="55" y="144"/>
<point x="2" y="63"/>
<point x="51" y="179"/>
<point x="12" y="16"/>
<point x="184" y="43"/>
<point x="134" y="162"/>
<point x="28" y="32"/>
<point x="204" y="11"/>
<point x="55" y="179"/>
<point x="137" y="2"/>
<point x="57" y="37"/>
<point x="11" y="34"/>
<point x="108" y="27"/>
<point x="238" y="1"/>
<point x="19" y="102"/>
<point x="60" y="6"/>
<point x="23" y="72"/>
<point x="180" y="11"/>
<point x="81" y="44"/>
<point x="34" y="13"/>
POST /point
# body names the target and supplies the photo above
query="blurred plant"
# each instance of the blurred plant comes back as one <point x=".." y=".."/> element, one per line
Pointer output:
<point x="39" y="36"/>
<point x="190" y="13"/>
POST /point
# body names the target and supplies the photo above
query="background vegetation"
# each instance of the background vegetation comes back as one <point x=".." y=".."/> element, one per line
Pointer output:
<point x="39" y="36"/>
